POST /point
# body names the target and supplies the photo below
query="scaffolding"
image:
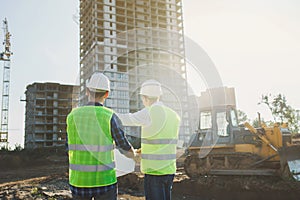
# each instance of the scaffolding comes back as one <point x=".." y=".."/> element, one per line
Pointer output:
<point x="132" y="41"/>
<point x="5" y="57"/>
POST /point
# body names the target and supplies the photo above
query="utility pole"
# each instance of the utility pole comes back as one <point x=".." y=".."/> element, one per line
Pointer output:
<point x="5" y="57"/>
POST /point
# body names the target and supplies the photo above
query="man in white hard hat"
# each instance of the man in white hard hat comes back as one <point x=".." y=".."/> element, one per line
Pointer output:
<point x="92" y="131"/>
<point x="160" y="127"/>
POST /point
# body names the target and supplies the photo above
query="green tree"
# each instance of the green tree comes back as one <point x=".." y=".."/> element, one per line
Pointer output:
<point x="281" y="111"/>
<point x="256" y="123"/>
<point x="242" y="117"/>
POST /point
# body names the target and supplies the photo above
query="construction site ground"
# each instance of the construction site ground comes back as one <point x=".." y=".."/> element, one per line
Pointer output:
<point x="43" y="174"/>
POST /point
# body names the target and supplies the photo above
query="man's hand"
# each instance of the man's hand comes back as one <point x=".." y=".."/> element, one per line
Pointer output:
<point x="129" y="154"/>
<point x="137" y="155"/>
<point x="134" y="154"/>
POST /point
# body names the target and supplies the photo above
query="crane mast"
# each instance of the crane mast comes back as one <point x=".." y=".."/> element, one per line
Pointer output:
<point x="5" y="57"/>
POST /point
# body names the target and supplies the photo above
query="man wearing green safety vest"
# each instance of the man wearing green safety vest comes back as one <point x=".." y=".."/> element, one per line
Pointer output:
<point x="160" y="127"/>
<point x="92" y="131"/>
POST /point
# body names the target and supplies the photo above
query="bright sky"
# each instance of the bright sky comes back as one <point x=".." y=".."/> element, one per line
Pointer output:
<point x="255" y="46"/>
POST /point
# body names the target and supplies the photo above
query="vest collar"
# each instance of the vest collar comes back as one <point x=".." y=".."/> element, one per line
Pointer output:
<point x="91" y="103"/>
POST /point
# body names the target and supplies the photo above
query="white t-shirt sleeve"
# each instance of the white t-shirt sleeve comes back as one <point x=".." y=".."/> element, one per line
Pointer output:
<point x="139" y="118"/>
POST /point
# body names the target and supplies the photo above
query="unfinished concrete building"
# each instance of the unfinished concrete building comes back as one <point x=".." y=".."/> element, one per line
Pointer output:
<point x="132" y="41"/>
<point x="47" y="106"/>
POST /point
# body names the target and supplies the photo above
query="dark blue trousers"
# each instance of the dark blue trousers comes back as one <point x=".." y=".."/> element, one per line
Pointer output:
<point x="158" y="187"/>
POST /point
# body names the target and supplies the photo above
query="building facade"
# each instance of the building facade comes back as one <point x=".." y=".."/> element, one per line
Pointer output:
<point x="47" y="106"/>
<point x="131" y="41"/>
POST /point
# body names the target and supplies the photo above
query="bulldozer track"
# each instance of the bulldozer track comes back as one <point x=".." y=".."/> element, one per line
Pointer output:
<point x="228" y="163"/>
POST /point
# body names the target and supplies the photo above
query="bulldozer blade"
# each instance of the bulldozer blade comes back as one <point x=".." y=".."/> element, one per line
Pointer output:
<point x="291" y="156"/>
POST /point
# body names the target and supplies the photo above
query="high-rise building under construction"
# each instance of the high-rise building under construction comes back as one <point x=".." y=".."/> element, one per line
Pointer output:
<point x="47" y="107"/>
<point x="132" y="41"/>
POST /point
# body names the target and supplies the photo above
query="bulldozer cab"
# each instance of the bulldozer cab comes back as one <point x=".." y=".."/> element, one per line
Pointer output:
<point x="218" y="124"/>
<point x="217" y="118"/>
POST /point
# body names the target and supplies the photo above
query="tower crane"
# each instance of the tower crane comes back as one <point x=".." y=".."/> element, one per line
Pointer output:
<point x="5" y="57"/>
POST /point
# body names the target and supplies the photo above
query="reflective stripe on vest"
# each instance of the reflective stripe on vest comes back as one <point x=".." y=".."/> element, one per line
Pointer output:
<point x="159" y="141"/>
<point x="94" y="148"/>
<point x="159" y="156"/>
<point x="92" y="168"/>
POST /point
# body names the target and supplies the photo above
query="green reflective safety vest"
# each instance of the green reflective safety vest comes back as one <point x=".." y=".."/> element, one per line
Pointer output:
<point x="159" y="141"/>
<point x="91" y="156"/>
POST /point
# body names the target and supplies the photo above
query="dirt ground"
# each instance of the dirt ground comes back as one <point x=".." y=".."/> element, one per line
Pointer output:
<point x="47" y="178"/>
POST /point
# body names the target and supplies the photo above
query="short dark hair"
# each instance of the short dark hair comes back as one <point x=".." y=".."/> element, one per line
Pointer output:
<point x="97" y="94"/>
<point x="152" y="99"/>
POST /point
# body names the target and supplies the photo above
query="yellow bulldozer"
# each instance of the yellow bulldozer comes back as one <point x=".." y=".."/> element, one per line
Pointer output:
<point x="221" y="146"/>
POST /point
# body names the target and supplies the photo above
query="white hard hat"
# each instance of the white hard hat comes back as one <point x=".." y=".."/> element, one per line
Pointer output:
<point x="151" y="88"/>
<point x="98" y="82"/>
